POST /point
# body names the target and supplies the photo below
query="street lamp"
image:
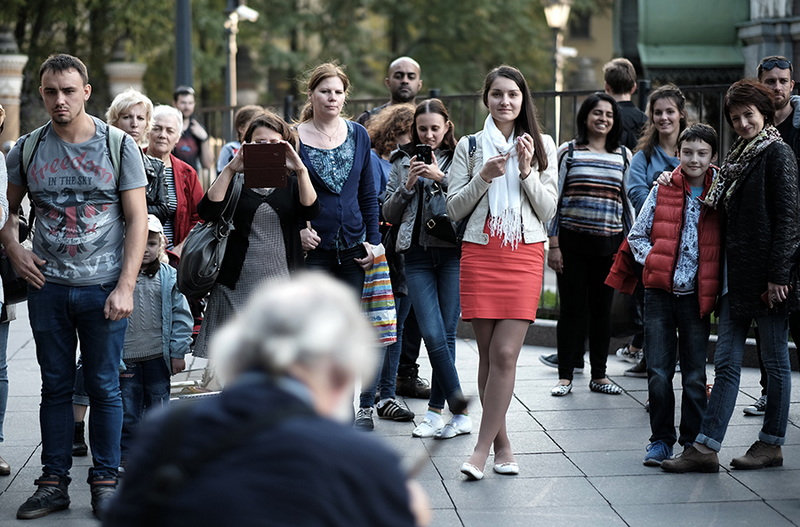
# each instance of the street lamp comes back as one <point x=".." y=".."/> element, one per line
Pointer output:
<point x="557" y="14"/>
<point x="235" y="13"/>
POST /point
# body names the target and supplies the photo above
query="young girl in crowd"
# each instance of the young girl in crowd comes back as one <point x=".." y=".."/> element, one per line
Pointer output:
<point x="593" y="217"/>
<point x="657" y="152"/>
<point x="431" y="263"/>
<point x="159" y="334"/>
<point x="505" y="190"/>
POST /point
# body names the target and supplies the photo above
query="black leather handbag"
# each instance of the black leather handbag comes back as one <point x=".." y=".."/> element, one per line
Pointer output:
<point x="439" y="224"/>
<point x="204" y="248"/>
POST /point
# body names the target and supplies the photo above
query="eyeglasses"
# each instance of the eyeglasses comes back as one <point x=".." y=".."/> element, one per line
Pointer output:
<point x="769" y="64"/>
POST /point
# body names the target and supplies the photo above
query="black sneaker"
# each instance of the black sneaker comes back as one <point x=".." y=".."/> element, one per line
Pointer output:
<point x="412" y="385"/>
<point x="79" y="446"/>
<point x="103" y="490"/>
<point x="640" y="370"/>
<point x="394" y="411"/>
<point x="552" y="361"/>
<point x="364" y="419"/>
<point x="51" y="496"/>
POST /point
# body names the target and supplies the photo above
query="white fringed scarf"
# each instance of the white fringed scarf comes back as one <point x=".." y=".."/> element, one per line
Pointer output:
<point x="505" y="191"/>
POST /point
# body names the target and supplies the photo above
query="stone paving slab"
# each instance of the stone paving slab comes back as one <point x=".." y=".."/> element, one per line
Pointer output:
<point x="580" y="455"/>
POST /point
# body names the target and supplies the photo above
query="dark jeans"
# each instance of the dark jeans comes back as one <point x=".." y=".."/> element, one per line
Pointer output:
<point x="585" y="307"/>
<point x="794" y="331"/>
<point x="144" y="385"/>
<point x="385" y="381"/>
<point x="412" y="340"/>
<point x="340" y="264"/>
<point x="60" y="316"/>
<point x="665" y="313"/>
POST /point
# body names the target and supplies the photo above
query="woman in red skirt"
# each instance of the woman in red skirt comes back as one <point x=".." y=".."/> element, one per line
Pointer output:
<point x="505" y="190"/>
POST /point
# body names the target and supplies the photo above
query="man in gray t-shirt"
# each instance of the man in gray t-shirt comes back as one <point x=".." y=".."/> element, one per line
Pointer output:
<point x="91" y="229"/>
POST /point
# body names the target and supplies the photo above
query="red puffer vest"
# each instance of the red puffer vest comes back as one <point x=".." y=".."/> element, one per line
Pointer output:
<point x="666" y="236"/>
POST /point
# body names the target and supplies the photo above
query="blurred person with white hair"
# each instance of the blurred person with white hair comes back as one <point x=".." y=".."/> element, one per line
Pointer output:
<point x="269" y="450"/>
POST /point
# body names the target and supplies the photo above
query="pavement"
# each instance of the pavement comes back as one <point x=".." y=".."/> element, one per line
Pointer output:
<point x="580" y="456"/>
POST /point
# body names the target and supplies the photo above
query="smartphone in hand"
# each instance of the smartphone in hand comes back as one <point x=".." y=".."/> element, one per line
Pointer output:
<point x="424" y="153"/>
<point x="264" y="165"/>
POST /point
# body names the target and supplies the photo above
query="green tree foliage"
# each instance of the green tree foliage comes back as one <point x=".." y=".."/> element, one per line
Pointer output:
<point x="455" y="42"/>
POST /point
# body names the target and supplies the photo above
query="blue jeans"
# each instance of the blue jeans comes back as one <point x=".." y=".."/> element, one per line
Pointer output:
<point x="774" y="330"/>
<point x="664" y="313"/>
<point x="3" y="374"/>
<point x="385" y="382"/>
<point x="144" y="385"/>
<point x="432" y="276"/>
<point x="60" y="316"/>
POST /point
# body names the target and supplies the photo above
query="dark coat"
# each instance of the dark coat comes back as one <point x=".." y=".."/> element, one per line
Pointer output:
<point x="303" y="470"/>
<point x="761" y="231"/>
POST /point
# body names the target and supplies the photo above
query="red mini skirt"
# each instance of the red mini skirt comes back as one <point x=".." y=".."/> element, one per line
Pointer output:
<point x="498" y="282"/>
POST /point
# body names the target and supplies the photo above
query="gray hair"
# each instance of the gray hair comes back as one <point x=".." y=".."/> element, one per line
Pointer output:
<point x="169" y="111"/>
<point x="309" y="321"/>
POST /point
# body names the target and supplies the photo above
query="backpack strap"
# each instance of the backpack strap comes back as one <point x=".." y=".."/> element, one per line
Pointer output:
<point x="29" y="146"/>
<point x="115" y="142"/>
<point x="473" y="146"/>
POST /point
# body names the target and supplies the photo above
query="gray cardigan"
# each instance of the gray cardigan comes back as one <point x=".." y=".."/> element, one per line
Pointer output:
<point x="467" y="193"/>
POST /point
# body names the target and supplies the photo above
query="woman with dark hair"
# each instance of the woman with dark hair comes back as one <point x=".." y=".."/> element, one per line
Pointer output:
<point x="756" y="191"/>
<point x="431" y="263"/>
<point x="657" y="153"/>
<point x="337" y="154"/>
<point x="265" y="241"/>
<point x="592" y="219"/>
<point x="505" y="190"/>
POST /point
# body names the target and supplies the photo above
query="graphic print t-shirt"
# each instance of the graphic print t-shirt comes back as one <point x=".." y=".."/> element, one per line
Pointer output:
<point x="76" y="195"/>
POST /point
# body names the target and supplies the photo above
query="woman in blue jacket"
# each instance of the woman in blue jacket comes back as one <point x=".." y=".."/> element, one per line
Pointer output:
<point x="337" y="154"/>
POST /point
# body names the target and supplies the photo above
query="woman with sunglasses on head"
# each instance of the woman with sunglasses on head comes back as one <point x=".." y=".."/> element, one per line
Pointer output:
<point x="775" y="72"/>
<point x="505" y="190"/>
<point x="756" y="191"/>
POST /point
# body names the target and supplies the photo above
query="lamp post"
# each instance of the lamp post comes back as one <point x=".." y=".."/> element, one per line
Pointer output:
<point x="557" y="14"/>
<point x="235" y="13"/>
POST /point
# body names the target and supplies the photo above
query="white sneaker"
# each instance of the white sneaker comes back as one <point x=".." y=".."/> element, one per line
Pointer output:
<point x="458" y="425"/>
<point x="625" y="354"/>
<point x="428" y="427"/>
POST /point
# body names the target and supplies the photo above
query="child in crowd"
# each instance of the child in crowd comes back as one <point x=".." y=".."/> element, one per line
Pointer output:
<point x="677" y="239"/>
<point x="159" y="334"/>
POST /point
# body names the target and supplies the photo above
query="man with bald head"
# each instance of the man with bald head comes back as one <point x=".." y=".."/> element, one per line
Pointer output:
<point x="404" y="80"/>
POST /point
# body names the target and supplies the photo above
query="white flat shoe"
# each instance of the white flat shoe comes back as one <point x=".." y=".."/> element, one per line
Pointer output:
<point x="472" y="472"/>
<point x="427" y="428"/>
<point x="509" y="468"/>
<point x="560" y="390"/>
<point x="454" y="428"/>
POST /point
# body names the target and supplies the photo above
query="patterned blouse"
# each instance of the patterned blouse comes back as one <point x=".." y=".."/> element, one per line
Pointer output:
<point x="334" y="165"/>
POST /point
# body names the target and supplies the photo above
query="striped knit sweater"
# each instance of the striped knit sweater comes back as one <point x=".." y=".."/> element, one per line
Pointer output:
<point x="591" y="193"/>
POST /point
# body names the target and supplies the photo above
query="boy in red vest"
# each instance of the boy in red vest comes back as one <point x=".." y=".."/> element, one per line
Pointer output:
<point x="677" y="239"/>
